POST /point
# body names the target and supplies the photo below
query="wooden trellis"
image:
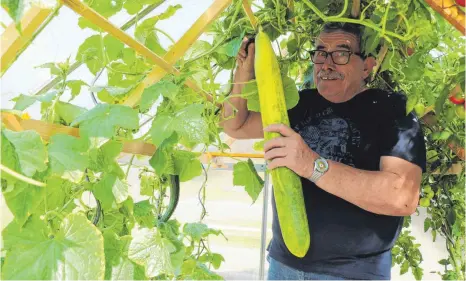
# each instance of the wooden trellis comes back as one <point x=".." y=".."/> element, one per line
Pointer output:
<point x="13" y="43"/>
<point x="36" y="19"/>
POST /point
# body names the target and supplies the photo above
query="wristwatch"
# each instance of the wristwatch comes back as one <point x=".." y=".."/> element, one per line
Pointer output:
<point x="320" y="167"/>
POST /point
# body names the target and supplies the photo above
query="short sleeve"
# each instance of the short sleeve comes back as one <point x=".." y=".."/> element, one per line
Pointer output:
<point x="403" y="137"/>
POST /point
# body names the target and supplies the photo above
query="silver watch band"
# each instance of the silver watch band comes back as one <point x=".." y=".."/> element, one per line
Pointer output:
<point x="320" y="167"/>
<point x="315" y="176"/>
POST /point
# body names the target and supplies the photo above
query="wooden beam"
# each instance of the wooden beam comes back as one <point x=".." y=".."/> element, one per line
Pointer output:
<point x="356" y="8"/>
<point x="450" y="12"/>
<point x="47" y="130"/>
<point x="116" y="32"/>
<point x="247" y="9"/>
<point x="14" y="43"/>
<point x="178" y="50"/>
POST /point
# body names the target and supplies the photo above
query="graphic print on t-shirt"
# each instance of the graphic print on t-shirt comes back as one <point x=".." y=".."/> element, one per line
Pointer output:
<point x="332" y="137"/>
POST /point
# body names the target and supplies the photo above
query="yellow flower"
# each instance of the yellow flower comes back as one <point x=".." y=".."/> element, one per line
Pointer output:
<point x="25" y="116"/>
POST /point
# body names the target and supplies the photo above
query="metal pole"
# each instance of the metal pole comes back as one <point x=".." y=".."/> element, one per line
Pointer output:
<point x="264" y="225"/>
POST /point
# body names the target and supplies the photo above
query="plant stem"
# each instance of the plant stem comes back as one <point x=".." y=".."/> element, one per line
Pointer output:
<point x="166" y="34"/>
<point x="129" y="166"/>
<point x="385" y="16"/>
<point x="21" y="177"/>
<point x="361" y="22"/>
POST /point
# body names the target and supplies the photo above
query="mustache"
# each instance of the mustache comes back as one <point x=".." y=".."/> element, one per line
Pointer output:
<point x="330" y="75"/>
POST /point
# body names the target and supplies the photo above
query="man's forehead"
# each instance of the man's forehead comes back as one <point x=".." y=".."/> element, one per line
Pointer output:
<point x="333" y="39"/>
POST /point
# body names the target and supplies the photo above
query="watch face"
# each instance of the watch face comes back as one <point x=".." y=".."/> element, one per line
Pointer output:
<point x="321" y="165"/>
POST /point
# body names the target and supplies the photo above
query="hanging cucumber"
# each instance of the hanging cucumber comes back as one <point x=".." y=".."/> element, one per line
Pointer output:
<point x="287" y="184"/>
<point x="174" y="182"/>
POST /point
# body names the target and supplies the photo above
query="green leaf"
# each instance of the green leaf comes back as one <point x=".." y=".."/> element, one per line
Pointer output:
<point x="30" y="150"/>
<point x="404" y="267"/>
<point x="244" y="174"/>
<point x="68" y="112"/>
<point x="57" y="193"/>
<point x="259" y="145"/>
<point x="54" y="69"/>
<point x="427" y="223"/>
<point x="104" y="119"/>
<point x="150" y="250"/>
<point x="189" y="123"/>
<point x="414" y="69"/>
<point x="114" y="47"/>
<point x="451" y="217"/>
<point x="424" y="202"/>
<point x="391" y="59"/>
<point x="444" y="262"/>
<point x="68" y="156"/>
<point x="177" y="258"/>
<point x="103" y="159"/>
<point x="372" y="41"/>
<point x="149" y="183"/>
<point x="231" y="48"/>
<point x="144" y="213"/>
<point x="110" y="90"/>
<point x="111" y="191"/>
<point x="418" y="273"/>
<point x="200" y="271"/>
<point x="217" y="260"/>
<point x="291" y="92"/>
<point x="441" y="100"/>
<point x="9" y="159"/>
<point x="146" y="34"/>
<point x="85" y="23"/>
<point x="23" y="101"/>
<point x="444" y="135"/>
<point x="151" y="94"/>
<point x="118" y="265"/>
<point x="15" y="9"/>
<point x="90" y="52"/>
<point x="197" y="49"/>
<point x="187" y="165"/>
<point x="412" y="101"/>
<point x="75" y="87"/>
<point x="292" y="46"/>
<point x="23" y="200"/>
<point x="250" y="92"/>
<point x="132" y="6"/>
<point x="47" y="97"/>
<point x="175" y="162"/>
<point x="199" y="230"/>
<point x="75" y="252"/>
<point x="106" y="8"/>
<point x="162" y="161"/>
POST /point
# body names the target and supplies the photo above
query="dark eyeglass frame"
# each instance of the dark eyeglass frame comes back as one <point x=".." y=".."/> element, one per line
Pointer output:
<point x="312" y="53"/>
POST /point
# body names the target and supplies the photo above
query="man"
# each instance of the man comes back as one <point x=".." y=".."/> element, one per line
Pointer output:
<point x="359" y="155"/>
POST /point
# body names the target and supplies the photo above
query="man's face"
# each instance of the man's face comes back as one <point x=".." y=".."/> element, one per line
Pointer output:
<point x="339" y="83"/>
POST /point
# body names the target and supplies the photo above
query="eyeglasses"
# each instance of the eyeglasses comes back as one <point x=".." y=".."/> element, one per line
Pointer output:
<point x="338" y="57"/>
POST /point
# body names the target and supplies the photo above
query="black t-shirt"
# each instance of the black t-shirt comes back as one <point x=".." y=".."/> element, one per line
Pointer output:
<point x="346" y="240"/>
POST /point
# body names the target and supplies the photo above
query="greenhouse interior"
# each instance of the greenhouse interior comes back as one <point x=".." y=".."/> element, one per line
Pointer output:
<point x="117" y="163"/>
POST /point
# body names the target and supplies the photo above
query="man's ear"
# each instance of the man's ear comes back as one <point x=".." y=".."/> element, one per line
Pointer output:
<point x="369" y="64"/>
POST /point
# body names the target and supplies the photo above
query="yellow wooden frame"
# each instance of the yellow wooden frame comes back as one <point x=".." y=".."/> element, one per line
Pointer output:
<point x="452" y="14"/>
<point x="178" y="50"/>
<point x="94" y="17"/>
<point x="47" y="130"/>
<point x="13" y="43"/>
